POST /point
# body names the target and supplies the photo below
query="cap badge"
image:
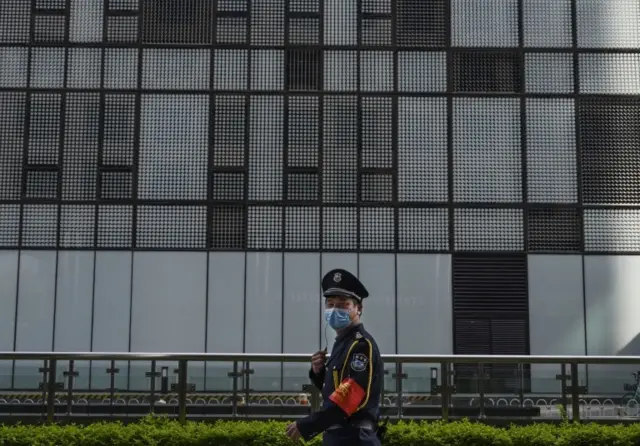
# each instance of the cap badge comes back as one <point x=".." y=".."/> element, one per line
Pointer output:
<point x="337" y="277"/>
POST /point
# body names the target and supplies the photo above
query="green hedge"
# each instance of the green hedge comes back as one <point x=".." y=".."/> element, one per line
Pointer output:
<point x="240" y="433"/>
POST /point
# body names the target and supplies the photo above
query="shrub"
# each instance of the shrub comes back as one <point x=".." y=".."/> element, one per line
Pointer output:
<point x="160" y="431"/>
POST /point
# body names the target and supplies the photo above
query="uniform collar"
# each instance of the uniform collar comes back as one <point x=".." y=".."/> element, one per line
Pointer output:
<point x="349" y="331"/>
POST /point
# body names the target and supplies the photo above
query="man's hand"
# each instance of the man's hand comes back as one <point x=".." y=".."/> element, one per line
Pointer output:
<point x="293" y="432"/>
<point x="317" y="361"/>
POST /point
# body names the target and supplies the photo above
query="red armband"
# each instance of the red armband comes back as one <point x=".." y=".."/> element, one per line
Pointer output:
<point x="348" y="396"/>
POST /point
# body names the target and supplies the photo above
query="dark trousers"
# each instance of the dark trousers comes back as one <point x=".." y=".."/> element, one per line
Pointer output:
<point x="350" y="436"/>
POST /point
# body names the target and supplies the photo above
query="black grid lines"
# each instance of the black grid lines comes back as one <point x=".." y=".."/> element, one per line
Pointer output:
<point x="301" y="125"/>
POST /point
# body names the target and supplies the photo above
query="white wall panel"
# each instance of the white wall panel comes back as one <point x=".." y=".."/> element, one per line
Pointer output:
<point x="225" y="321"/>
<point x="8" y="289"/>
<point x="74" y="301"/>
<point x="112" y="300"/>
<point x="168" y="306"/>
<point x="332" y="261"/>
<point x="424" y="312"/>
<point x="169" y="298"/>
<point x="74" y="305"/>
<point x="36" y="303"/>
<point x="111" y="313"/>
<point x="301" y="324"/>
<point x="378" y="275"/>
<point x="263" y="328"/>
<point x="556" y="315"/>
<point x="612" y="293"/>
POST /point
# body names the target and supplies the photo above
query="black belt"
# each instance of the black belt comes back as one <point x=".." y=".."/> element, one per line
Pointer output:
<point x="362" y="424"/>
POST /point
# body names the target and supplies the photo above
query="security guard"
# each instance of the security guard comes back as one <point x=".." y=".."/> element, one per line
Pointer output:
<point x="351" y="382"/>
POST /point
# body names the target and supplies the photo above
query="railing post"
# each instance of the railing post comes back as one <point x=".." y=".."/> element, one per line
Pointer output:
<point x="399" y="376"/>
<point x="182" y="391"/>
<point x="112" y="371"/>
<point x="234" y="392"/>
<point x="481" y="379"/>
<point x="71" y="374"/>
<point x="51" y="391"/>
<point x="247" y="371"/>
<point x="521" y="383"/>
<point x="575" y="395"/>
<point x="152" y="390"/>
<point x="563" y="383"/>
<point x="444" y="390"/>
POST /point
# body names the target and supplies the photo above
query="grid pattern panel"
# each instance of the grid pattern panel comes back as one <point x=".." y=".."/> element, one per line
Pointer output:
<point x="554" y="230"/>
<point x="12" y="124"/>
<point x="487" y="165"/>
<point x="613" y="230"/>
<point x="551" y="151"/>
<point x="306" y="125"/>
<point x="610" y="137"/>
<point x="485" y="24"/>
<point x="489" y="230"/>
<point x="423" y="229"/>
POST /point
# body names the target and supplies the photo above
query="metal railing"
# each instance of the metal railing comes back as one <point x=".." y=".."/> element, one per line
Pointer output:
<point x="442" y="393"/>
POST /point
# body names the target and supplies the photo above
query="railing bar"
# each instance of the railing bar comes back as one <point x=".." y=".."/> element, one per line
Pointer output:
<point x="279" y="357"/>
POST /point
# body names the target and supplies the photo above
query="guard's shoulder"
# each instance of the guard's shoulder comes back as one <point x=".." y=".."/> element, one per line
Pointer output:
<point x="364" y="340"/>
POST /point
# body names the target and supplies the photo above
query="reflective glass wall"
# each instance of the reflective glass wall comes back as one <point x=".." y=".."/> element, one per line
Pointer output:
<point x="177" y="175"/>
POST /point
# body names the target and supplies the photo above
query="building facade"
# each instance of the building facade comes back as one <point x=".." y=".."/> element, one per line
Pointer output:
<point x="176" y="176"/>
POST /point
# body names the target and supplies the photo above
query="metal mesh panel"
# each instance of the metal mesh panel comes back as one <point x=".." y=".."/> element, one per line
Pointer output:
<point x="551" y="151"/>
<point x="603" y="24"/>
<point x="486" y="150"/>
<point x="421" y="23"/>
<point x="422" y="149"/>
<point x="377" y="229"/>
<point x="423" y="229"/>
<point x="13" y="67"/>
<point x="81" y="139"/>
<point x="14" y="21"/>
<point x="174" y="138"/>
<point x="340" y="151"/>
<point x="554" y="230"/>
<point x="175" y="69"/>
<point x="422" y="72"/>
<point x="40" y="225"/>
<point x="486" y="23"/>
<point x="177" y="21"/>
<point x="610" y="73"/>
<point x="302" y="228"/>
<point x="12" y="111"/>
<point x="610" y="137"/>
<point x="546" y="23"/>
<point x="9" y="225"/>
<point x="613" y="230"/>
<point x="487" y="71"/>
<point x="489" y="230"/>
<point x="347" y="125"/>
<point x="548" y="73"/>
<point x="339" y="228"/>
<point x="115" y="227"/>
<point x="264" y="228"/>
<point x="266" y="148"/>
<point x="171" y="227"/>
<point x="77" y="226"/>
<point x="229" y="227"/>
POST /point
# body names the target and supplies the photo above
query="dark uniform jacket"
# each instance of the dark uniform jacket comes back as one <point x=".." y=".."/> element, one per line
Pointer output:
<point x="351" y="384"/>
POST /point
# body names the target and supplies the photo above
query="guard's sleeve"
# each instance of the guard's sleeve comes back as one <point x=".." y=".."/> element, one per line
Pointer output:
<point x="351" y="395"/>
<point x="317" y="379"/>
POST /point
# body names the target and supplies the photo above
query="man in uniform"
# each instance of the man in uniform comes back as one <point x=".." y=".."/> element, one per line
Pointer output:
<point x="351" y="381"/>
